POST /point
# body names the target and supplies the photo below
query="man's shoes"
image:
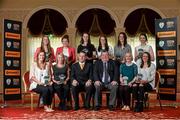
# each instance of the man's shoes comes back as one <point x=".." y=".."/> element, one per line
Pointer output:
<point x="97" y="108"/>
<point x="111" y="108"/>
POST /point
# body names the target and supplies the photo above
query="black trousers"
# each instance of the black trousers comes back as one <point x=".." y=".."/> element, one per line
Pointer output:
<point x="46" y="92"/>
<point x="138" y="91"/>
<point x="62" y="91"/>
<point x="124" y="92"/>
<point x="79" y="88"/>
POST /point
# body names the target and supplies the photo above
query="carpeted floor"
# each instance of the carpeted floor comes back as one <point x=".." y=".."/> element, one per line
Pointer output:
<point x="15" y="110"/>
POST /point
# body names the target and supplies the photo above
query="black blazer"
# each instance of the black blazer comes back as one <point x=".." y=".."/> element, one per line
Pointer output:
<point x="81" y="75"/>
<point x="112" y="70"/>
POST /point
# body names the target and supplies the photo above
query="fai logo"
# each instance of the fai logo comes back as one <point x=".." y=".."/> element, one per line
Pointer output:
<point x="161" y="43"/>
<point x="8" y="63"/>
<point x="9" y="25"/>
<point x="8" y="81"/>
<point x="161" y="62"/>
<point x="161" y="25"/>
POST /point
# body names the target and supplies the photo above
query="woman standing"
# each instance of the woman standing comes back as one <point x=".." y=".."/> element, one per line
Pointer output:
<point x="46" y="47"/>
<point x="121" y="48"/>
<point x="40" y="79"/>
<point x="60" y="77"/>
<point x="69" y="52"/>
<point x="87" y="47"/>
<point x="128" y="72"/>
<point x="103" y="45"/>
<point x="145" y="81"/>
<point x="143" y="47"/>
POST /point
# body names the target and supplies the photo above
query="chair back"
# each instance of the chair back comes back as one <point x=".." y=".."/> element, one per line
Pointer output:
<point x="26" y="81"/>
<point x="157" y="80"/>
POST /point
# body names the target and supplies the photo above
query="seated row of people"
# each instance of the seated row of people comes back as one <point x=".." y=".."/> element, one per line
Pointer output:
<point x="85" y="76"/>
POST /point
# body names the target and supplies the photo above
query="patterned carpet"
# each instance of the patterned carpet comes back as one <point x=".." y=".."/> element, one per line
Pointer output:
<point x="104" y="114"/>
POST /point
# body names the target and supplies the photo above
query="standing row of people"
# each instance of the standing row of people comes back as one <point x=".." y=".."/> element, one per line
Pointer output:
<point x="85" y="75"/>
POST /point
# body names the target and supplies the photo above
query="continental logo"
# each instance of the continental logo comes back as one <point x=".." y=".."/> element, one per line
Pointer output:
<point x="166" y="52"/>
<point x="12" y="72"/>
<point x="12" y="35"/>
<point x="167" y="71"/>
<point x="12" y="54"/>
<point x="167" y="91"/>
<point x="10" y="91"/>
<point x="166" y="34"/>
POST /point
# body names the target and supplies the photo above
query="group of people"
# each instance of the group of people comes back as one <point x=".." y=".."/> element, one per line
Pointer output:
<point x="95" y="69"/>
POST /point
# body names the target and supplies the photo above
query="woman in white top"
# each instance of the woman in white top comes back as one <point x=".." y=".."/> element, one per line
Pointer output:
<point x="40" y="79"/>
<point x="145" y="81"/>
<point x="143" y="47"/>
<point x="103" y="45"/>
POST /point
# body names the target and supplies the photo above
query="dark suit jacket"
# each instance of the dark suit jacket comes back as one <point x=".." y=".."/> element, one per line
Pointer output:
<point x="82" y="75"/>
<point x="112" y="70"/>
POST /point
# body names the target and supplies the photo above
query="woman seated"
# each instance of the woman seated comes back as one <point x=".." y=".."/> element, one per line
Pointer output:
<point x="60" y="77"/>
<point x="145" y="81"/>
<point x="128" y="72"/>
<point x="40" y="79"/>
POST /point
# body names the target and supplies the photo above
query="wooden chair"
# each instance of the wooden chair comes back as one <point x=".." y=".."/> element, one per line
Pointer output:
<point x="26" y="83"/>
<point x="155" y="90"/>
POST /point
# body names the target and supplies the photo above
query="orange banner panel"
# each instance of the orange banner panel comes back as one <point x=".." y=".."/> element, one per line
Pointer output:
<point x="166" y="34"/>
<point x="166" y="52"/>
<point x="167" y="90"/>
<point x="12" y="35"/>
<point x="167" y="71"/>
<point x="12" y="72"/>
<point x="12" y="54"/>
<point x="10" y="91"/>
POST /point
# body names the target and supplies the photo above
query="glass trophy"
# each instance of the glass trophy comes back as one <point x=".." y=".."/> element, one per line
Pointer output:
<point x="139" y="78"/>
<point x="125" y="79"/>
<point x="46" y="80"/>
<point x="62" y="78"/>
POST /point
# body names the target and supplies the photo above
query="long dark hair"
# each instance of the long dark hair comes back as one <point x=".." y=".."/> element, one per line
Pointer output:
<point x="143" y="34"/>
<point x="89" y="40"/>
<point x="65" y="37"/>
<point x="106" y="43"/>
<point x="119" y="44"/>
<point x="149" y="60"/>
<point x="48" y="46"/>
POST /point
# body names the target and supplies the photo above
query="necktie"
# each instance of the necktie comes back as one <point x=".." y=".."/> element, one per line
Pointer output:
<point x="106" y="76"/>
<point x="82" y="66"/>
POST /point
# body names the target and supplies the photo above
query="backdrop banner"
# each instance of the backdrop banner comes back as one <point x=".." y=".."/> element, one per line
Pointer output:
<point x="12" y="60"/>
<point x="166" y="50"/>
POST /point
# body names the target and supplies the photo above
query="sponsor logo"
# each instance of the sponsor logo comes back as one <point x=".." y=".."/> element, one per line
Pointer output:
<point x="9" y="25"/>
<point x="166" y="34"/>
<point x="161" y="62"/>
<point x="8" y="63"/>
<point x="170" y="24"/>
<point x="12" y="35"/>
<point x="16" y="63"/>
<point x="170" y="62"/>
<point x="167" y="71"/>
<point x="162" y="80"/>
<point x="170" y="81"/>
<point x="12" y="72"/>
<point x="167" y="91"/>
<point x="166" y="52"/>
<point x="16" y="45"/>
<point x="8" y="43"/>
<point x="10" y="91"/>
<point x="16" y="27"/>
<point x="8" y="81"/>
<point x="16" y="81"/>
<point x="161" y="43"/>
<point x="161" y="25"/>
<point x="12" y="54"/>
<point x="170" y="43"/>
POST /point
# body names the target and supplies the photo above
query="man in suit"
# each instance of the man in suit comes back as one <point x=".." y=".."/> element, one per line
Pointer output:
<point x="81" y="76"/>
<point x="105" y="77"/>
